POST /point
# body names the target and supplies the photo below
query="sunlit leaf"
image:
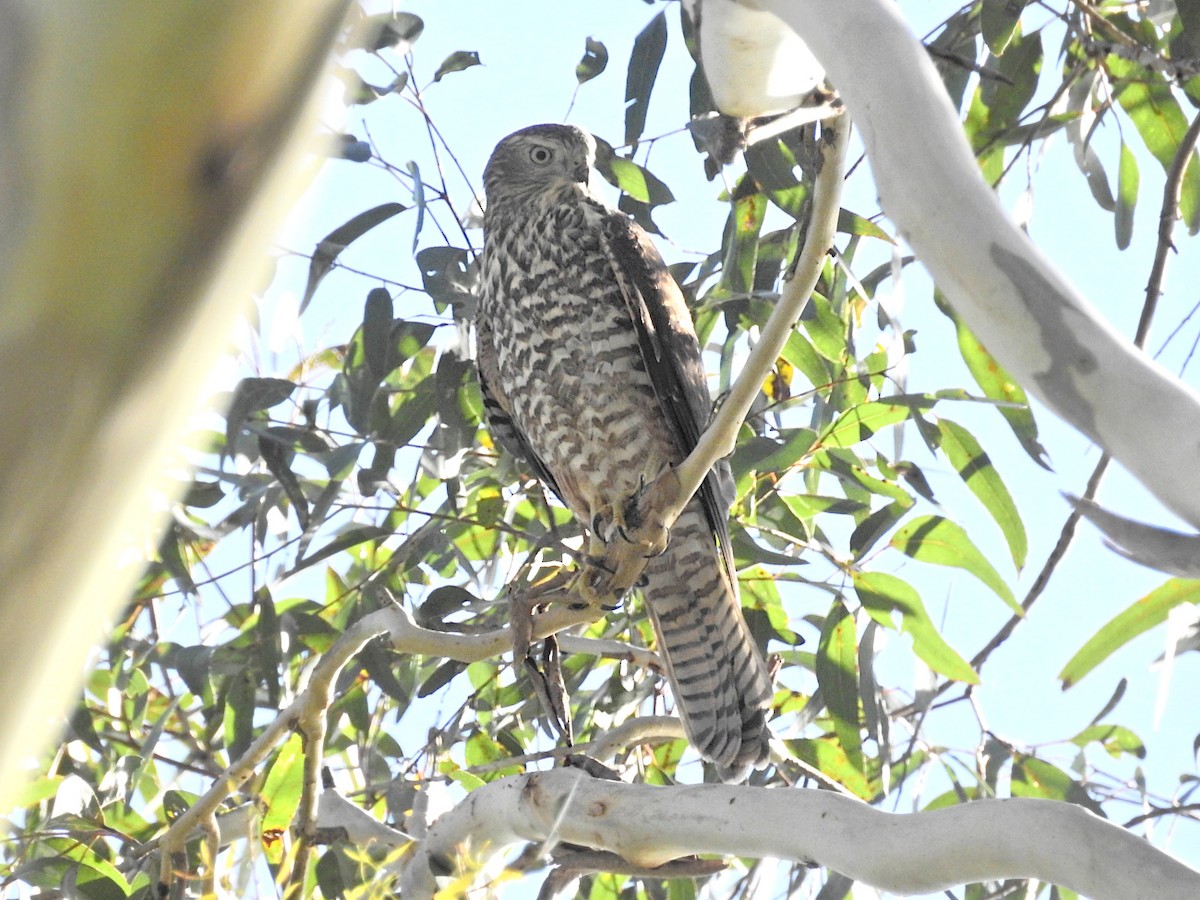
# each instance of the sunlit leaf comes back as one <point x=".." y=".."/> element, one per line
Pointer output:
<point x="639" y="183"/>
<point x="852" y="223"/>
<point x="1161" y="123"/>
<point x="837" y="675"/>
<point x="997" y="384"/>
<point x="1117" y="740"/>
<point x="1127" y="192"/>
<point x="975" y="468"/>
<point x="742" y="229"/>
<point x="829" y="758"/>
<point x="882" y="595"/>
<point x="282" y="789"/>
<point x="1146" y="613"/>
<point x="824" y="328"/>
<point x="862" y="422"/>
<point x="937" y="540"/>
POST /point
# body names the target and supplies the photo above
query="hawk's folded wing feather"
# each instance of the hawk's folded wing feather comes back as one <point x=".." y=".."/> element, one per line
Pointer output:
<point x="670" y="353"/>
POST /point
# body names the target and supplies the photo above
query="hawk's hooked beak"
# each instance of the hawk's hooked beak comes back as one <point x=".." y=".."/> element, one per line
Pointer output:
<point x="581" y="173"/>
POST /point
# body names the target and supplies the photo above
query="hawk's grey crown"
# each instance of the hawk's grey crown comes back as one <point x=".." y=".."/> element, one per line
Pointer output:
<point x="538" y="160"/>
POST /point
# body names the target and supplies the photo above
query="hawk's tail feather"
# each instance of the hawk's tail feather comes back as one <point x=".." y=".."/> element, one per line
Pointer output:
<point x="719" y="679"/>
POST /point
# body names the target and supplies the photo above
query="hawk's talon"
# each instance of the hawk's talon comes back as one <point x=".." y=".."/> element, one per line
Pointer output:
<point x="598" y="562"/>
<point x="661" y="550"/>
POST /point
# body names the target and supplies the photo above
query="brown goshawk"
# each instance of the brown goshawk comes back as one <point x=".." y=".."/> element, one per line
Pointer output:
<point x="591" y="372"/>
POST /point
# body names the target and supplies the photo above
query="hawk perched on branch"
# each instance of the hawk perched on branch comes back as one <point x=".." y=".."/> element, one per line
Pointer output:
<point x="591" y="371"/>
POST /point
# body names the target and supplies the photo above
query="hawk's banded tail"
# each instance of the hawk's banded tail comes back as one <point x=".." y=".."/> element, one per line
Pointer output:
<point x="719" y="679"/>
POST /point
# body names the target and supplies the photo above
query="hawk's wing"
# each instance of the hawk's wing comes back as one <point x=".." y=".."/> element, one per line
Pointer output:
<point x="497" y="410"/>
<point x="671" y="355"/>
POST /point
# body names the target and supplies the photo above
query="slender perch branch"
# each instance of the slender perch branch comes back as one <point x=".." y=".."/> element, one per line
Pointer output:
<point x="306" y="713"/>
<point x="905" y="854"/>
<point x="720" y="438"/>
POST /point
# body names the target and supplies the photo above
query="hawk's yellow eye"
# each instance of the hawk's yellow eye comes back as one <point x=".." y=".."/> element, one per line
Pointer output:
<point x="541" y="155"/>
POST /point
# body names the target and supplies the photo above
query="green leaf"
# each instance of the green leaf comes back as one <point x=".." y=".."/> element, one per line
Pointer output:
<point x="594" y="61"/>
<point x="253" y="395"/>
<point x="1032" y="777"/>
<point x="852" y="223"/>
<point x="418" y="194"/>
<point x="975" y="468"/>
<point x="1150" y="103"/>
<point x="239" y="712"/>
<point x="837" y="675"/>
<point x="398" y="30"/>
<point x="283" y="787"/>
<point x="995" y="382"/>
<point x="825" y="329"/>
<point x="861" y="422"/>
<point x="644" y="60"/>
<point x="1127" y="192"/>
<point x="481" y="750"/>
<point x="882" y="594"/>
<point x="808" y="506"/>
<point x="936" y="540"/>
<point x="456" y="62"/>
<point x="742" y="229"/>
<point x="1007" y="97"/>
<point x="447" y="276"/>
<point x="871" y="529"/>
<point x="377" y="332"/>
<point x="998" y="22"/>
<point x="639" y="183"/>
<point x="1117" y="740"/>
<point x="829" y="758"/>
<point x="331" y="246"/>
<point x="1143" y="615"/>
<point x="801" y="354"/>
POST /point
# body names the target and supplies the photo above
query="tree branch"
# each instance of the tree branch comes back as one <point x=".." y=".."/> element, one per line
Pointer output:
<point x="905" y="854"/>
<point x="1032" y="319"/>
<point x="306" y="714"/>
<point x="720" y="437"/>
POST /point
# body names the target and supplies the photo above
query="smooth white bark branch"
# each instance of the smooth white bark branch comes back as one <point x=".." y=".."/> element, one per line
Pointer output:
<point x="905" y="854"/>
<point x="1029" y="316"/>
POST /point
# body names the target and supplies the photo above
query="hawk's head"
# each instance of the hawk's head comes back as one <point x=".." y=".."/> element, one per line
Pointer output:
<point x="541" y="160"/>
